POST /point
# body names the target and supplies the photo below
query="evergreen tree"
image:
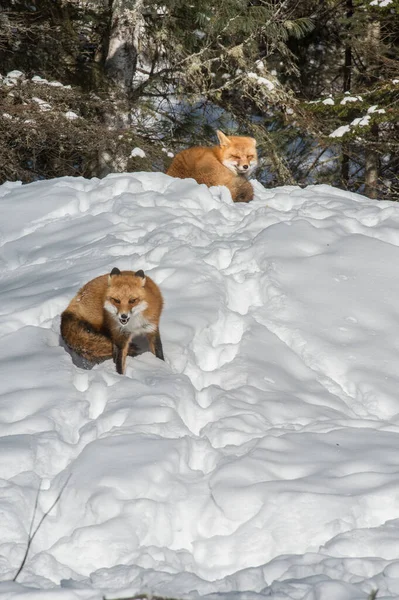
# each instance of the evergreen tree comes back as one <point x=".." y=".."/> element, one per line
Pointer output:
<point x="357" y="118"/>
<point x="315" y="82"/>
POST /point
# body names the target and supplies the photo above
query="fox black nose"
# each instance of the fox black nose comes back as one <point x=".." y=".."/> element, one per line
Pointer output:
<point x="124" y="316"/>
<point x="245" y="167"/>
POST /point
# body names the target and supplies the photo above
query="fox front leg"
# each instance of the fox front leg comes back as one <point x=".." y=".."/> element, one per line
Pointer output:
<point x="156" y="345"/>
<point x="115" y="351"/>
<point x="119" y="356"/>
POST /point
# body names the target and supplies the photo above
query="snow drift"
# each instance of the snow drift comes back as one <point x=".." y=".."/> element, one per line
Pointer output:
<point x="262" y="457"/>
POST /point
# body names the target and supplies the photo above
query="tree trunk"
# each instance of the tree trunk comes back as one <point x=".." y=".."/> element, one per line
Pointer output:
<point x="373" y="38"/>
<point x="348" y="49"/>
<point x="121" y="61"/>
<point x="345" y="167"/>
<point x="372" y="54"/>
<point x="345" y="164"/>
<point x="372" y="168"/>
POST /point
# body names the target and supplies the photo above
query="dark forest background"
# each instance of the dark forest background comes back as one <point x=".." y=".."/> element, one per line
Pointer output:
<point x="316" y="82"/>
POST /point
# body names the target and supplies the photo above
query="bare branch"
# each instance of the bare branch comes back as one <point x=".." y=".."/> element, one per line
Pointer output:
<point x="33" y="533"/>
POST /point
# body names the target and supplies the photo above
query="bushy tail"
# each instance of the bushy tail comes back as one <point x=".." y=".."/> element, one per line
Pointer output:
<point x="241" y="189"/>
<point x="83" y="339"/>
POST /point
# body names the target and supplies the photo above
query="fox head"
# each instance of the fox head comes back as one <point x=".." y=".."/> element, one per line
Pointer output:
<point x="238" y="153"/>
<point x="125" y="295"/>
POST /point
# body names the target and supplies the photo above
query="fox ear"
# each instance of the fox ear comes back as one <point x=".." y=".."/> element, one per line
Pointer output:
<point x="223" y="139"/>
<point x="115" y="271"/>
<point x="141" y="274"/>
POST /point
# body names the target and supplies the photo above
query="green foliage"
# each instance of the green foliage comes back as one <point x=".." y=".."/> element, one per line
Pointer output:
<point x="55" y="39"/>
<point x="260" y="67"/>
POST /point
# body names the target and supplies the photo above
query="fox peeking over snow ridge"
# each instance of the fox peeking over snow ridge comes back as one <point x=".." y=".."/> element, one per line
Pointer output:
<point x="228" y="164"/>
<point x="108" y="312"/>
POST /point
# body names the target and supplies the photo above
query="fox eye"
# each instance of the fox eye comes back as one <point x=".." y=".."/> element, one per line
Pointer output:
<point x="250" y="157"/>
<point x="236" y="157"/>
<point x="115" y="300"/>
<point x="132" y="300"/>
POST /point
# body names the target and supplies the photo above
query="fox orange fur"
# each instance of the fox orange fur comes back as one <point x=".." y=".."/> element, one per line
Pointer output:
<point x="228" y="164"/>
<point x="108" y="312"/>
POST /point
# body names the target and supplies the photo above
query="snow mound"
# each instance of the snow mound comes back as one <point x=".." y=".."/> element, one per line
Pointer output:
<point x="261" y="458"/>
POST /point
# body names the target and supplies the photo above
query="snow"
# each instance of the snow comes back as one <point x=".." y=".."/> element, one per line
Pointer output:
<point x="42" y="104"/>
<point x="361" y="121"/>
<point x="12" y="78"/>
<point x="137" y="152"/>
<point x="42" y="81"/>
<point x="71" y="115"/>
<point x="375" y="109"/>
<point x="351" y="99"/>
<point x="381" y="3"/>
<point x="340" y="131"/>
<point x="261" y="458"/>
<point x="262" y="81"/>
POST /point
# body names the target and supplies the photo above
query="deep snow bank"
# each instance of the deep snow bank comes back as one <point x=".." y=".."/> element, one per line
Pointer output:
<point x="262" y="456"/>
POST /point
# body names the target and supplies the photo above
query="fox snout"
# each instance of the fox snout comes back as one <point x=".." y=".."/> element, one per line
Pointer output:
<point x="245" y="169"/>
<point x="124" y="318"/>
<point x="240" y="166"/>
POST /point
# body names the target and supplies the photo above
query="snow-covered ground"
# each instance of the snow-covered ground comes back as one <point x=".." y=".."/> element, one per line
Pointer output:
<point x="262" y="458"/>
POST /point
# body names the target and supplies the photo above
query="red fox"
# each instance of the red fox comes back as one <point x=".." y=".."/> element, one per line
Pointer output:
<point x="228" y="164"/>
<point x="106" y="313"/>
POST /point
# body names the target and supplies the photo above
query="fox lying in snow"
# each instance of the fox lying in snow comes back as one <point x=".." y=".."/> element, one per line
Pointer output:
<point x="228" y="164"/>
<point x="108" y="312"/>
